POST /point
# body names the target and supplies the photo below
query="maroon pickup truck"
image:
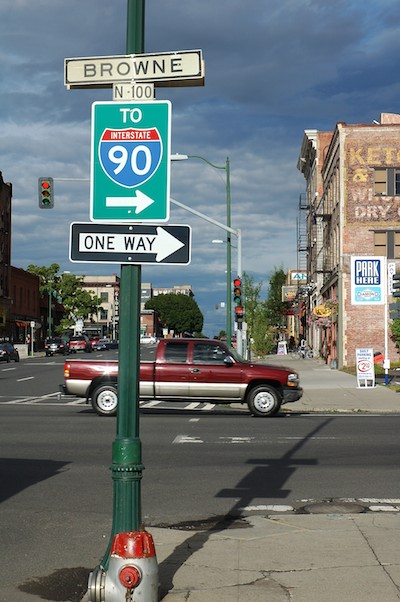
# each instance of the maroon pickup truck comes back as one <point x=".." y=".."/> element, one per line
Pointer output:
<point x="188" y="369"/>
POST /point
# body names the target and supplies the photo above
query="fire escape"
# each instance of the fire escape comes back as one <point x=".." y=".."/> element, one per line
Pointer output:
<point x="302" y="238"/>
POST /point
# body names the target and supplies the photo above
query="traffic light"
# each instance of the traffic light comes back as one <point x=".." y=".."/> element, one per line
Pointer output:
<point x="396" y="285"/>
<point x="237" y="291"/>
<point x="237" y="299"/>
<point x="46" y="193"/>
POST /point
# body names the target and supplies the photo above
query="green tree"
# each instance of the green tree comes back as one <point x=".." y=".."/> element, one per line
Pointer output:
<point x="395" y="329"/>
<point x="251" y="296"/>
<point x="178" y="312"/>
<point x="78" y="303"/>
<point x="48" y="276"/>
<point x="274" y="305"/>
<point x="263" y="340"/>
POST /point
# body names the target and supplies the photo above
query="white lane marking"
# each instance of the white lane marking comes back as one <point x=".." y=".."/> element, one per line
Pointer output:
<point x="384" y="508"/>
<point x="149" y="404"/>
<point x="194" y="420"/>
<point x="186" y="439"/>
<point x="275" y="507"/>
<point x="209" y="406"/>
<point x="7" y="369"/>
<point x="379" y="500"/>
<point x="192" y="406"/>
<point x="21" y="400"/>
<point x="20" y="380"/>
<point x="237" y="439"/>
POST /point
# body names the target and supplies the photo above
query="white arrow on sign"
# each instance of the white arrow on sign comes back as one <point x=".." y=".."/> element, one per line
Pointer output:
<point x="141" y="201"/>
<point x="166" y="244"/>
<point x="163" y="244"/>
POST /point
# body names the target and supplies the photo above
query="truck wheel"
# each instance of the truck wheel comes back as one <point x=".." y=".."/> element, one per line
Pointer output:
<point x="264" y="401"/>
<point x="105" y="400"/>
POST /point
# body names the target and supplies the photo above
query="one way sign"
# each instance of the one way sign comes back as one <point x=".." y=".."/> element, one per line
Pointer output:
<point x="150" y="244"/>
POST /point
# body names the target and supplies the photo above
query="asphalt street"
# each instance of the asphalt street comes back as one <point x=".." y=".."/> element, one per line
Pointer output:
<point x="202" y="467"/>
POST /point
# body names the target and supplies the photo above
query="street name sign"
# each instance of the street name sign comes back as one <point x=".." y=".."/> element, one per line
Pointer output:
<point x="139" y="91"/>
<point x="134" y="244"/>
<point x="179" y="68"/>
<point x="130" y="162"/>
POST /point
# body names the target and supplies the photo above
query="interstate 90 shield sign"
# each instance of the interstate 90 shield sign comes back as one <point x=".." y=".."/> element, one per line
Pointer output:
<point x="130" y="162"/>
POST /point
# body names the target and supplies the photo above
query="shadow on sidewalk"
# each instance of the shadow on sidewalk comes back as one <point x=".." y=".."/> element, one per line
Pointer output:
<point x="266" y="479"/>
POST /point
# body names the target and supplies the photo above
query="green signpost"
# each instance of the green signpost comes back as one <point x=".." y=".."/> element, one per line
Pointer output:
<point x="130" y="182"/>
<point x="130" y="166"/>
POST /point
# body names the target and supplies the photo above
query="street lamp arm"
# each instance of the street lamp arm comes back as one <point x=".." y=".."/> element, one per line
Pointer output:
<point x="208" y="162"/>
<point x="205" y="217"/>
<point x="180" y="157"/>
<point x="227" y="228"/>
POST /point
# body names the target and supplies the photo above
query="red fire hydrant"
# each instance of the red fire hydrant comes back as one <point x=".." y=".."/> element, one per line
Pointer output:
<point x="132" y="572"/>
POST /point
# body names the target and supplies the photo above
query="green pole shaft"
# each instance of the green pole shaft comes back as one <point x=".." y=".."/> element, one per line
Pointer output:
<point x="49" y="319"/>
<point x="228" y="258"/>
<point x="135" y="27"/>
<point x="126" y="450"/>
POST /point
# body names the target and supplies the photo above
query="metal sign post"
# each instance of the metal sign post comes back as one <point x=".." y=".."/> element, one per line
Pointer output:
<point x="130" y="184"/>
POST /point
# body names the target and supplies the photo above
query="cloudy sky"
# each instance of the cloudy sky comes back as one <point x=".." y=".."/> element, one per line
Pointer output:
<point x="273" y="69"/>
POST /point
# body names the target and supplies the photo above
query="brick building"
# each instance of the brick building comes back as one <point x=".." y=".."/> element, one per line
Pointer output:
<point x="352" y="207"/>
<point x="5" y="256"/>
<point x="25" y="307"/>
<point x="19" y="290"/>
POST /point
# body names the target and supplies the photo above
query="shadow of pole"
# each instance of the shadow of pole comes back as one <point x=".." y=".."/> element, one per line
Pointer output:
<point x="265" y="480"/>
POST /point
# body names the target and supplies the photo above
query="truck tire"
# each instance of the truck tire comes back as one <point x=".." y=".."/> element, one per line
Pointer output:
<point x="264" y="401"/>
<point x="105" y="400"/>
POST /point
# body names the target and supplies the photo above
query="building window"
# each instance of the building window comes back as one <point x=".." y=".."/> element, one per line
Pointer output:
<point x="104" y="297"/>
<point x="103" y="314"/>
<point x="387" y="244"/>
<point x="387" y="181"/>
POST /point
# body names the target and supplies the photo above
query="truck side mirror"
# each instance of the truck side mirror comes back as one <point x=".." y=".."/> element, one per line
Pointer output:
<point x="228" y="361"/>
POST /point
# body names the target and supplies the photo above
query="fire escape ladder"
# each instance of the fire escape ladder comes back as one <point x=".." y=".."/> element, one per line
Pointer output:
<point x="302" y="242"/>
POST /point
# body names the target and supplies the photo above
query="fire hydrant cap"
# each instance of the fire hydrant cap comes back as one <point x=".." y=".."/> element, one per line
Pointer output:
<point x="133" y="544"/>
<point x="130" y="576"/>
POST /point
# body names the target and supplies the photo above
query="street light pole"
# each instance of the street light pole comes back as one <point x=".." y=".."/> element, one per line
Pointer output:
<point x="49" y="318"/>
<point x="226" y="168"/>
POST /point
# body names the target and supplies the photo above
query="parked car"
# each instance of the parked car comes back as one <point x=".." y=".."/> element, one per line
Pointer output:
<point x="146" y="339"/>
<point x="56" y="345"/>
<point x="8" y="352"/>
<point x="80" y="343"/>
<point x="93" y="340"/>
<point x="101" y="344"/>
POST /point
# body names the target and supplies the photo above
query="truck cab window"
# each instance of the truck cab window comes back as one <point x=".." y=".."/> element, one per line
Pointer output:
<point x="176" y="354"/>
<point x="204" y="353"/>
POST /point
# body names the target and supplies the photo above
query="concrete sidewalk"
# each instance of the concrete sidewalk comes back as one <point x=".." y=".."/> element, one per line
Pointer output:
<point x="333" y="390"/>
<point x="346" y="551"/>
<point x="282" y="558"/>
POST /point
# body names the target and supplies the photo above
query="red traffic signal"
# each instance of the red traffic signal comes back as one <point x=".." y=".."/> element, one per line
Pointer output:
<point x="46" y="193"/>
<point x="237" y="291"/>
